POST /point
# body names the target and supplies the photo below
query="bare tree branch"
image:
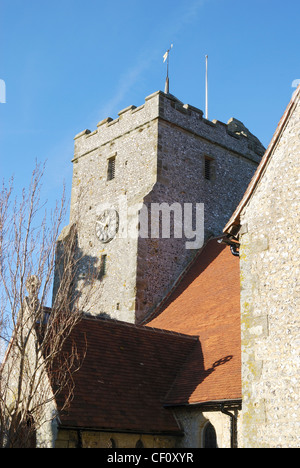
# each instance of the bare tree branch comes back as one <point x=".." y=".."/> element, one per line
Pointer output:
<point x="35" y="369"/>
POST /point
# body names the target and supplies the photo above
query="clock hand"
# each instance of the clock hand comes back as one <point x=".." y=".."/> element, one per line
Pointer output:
<point x="104" y="223"/>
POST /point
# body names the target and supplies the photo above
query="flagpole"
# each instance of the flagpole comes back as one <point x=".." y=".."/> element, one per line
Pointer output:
<point x="166" y="57"/>
<point x="167" y="78"/>
<point x="168" y="66"/>
<point x="206" y="88"/>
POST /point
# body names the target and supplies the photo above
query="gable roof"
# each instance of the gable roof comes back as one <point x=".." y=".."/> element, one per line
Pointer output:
<point x="207" y="303"/>
<point x="234" y="222"/>
<point x="124" y="377"/>
<point x="188" y="353"/>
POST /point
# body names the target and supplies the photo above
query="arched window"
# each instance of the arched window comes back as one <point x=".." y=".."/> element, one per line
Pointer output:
<point x="209" y="436"/>
<point x="111" y="443"/>
<point x="139" y="444"/>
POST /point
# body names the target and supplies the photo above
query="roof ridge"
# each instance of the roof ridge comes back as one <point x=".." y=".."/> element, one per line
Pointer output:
<point x="136" y="326"/>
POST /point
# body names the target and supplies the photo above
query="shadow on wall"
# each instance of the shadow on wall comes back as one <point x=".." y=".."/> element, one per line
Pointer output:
<point x="78" y="277"/>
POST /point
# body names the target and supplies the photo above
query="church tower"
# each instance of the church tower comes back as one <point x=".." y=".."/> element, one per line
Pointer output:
<point x="148" y="188"/>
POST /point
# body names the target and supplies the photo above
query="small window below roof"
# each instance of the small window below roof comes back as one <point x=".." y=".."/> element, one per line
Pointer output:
<point x="111" y="443"/>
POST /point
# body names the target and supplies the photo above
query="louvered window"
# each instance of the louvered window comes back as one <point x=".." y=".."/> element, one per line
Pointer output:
<point x="207" y="168"/>
<point x="111" y="168"/>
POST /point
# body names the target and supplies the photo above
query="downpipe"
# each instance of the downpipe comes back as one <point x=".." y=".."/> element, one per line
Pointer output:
<point x="233" y="427"/>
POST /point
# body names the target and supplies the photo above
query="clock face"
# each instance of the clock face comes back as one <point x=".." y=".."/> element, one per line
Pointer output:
<point x="107" y="225"/>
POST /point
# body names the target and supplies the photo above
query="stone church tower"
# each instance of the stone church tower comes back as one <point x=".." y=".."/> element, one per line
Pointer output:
<point x="164" y="161"/>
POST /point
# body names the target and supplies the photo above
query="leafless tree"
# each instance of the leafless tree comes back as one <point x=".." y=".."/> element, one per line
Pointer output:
<point x="35" y="366"/>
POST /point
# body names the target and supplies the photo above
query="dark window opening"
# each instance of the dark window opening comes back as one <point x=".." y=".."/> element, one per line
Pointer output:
<point x="139" y="444"/>
<point x="207" y="168"/>
<point x="210" y="437"/>
<point x="102" y="271"/>
<point x="111" y="168"/>
<point x="111" y="444"/>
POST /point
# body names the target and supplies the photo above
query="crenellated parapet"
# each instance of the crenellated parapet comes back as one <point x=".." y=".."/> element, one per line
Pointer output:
<point x="232" y="135"/>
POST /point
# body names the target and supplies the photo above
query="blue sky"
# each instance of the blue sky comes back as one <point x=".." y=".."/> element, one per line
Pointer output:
<point x="67" y="64"/>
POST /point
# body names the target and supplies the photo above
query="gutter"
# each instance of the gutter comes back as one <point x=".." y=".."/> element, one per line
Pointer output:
<point x="218" y="405"/>
<point x="81" y="430"/>
<point x="233" y="426"/>
<point x="233" y="243"/>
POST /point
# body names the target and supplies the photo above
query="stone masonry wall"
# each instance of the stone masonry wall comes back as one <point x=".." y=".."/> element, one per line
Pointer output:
<point x="91" y="439"/>
<point x="159" y="151"/>
<point x="193" y="422"/>
<point x="270" y="305"/>
<point x="185" y="139"/>
<point x="132" y="139"/>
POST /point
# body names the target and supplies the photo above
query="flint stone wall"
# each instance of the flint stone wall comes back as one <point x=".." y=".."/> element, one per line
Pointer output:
<point x="270" y="293"/>
<point x="160" y="148"/>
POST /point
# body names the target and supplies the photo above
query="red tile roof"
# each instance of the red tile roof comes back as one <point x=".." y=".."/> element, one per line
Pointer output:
<point x="190" y="352"/>
<point x="125" y="376"/>
<point x="207" y="303"/>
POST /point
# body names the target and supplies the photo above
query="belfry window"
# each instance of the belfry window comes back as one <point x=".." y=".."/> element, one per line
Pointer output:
<point x="111" y="168"/>
<point x="208" y="168"/>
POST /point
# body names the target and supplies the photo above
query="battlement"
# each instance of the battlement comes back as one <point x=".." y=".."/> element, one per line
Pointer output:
<point x="162" y="152"/>
<point x="167" y="108"/>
